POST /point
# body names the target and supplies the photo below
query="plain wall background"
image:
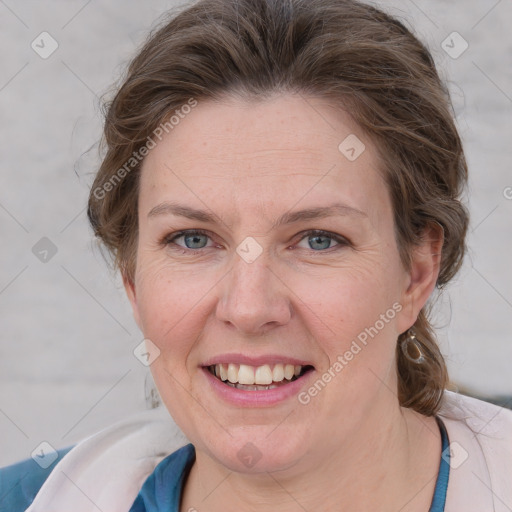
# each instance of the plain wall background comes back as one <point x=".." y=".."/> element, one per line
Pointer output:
<point x="67" y="335"/>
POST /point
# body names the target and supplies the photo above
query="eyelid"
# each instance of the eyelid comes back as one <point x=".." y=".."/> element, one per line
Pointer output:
<point x="339" y="239"/>
<point x="167" y="239"/>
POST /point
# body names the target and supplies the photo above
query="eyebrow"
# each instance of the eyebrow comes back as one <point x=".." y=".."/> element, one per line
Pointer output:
<point x="321" y="212"/>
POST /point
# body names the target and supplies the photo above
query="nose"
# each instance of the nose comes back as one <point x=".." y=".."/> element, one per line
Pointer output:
<point x="254" y="297"/>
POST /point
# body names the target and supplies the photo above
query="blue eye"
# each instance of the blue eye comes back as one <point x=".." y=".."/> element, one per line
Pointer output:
<point x="321" y="240"/>
<point x="195" y="239"/>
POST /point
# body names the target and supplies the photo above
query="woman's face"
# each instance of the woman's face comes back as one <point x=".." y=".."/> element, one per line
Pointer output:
<point x="295" y="263"/>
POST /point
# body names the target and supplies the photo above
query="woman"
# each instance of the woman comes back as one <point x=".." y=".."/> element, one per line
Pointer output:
<point x="281" y="192"/>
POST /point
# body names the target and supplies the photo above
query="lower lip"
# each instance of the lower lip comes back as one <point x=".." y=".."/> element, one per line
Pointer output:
<point x="263" y="398"/>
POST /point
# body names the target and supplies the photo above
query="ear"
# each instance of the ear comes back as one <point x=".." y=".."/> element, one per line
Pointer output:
<point x="130" y="290"/>
<point x="423" y="274"/>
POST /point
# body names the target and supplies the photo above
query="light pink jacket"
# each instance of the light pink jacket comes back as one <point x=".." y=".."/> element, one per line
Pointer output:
<point x="107" y="470"/>
<point x="480" y="437"/>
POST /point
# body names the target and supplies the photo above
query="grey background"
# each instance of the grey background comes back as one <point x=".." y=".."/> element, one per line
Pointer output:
<point x="67" y="336"/>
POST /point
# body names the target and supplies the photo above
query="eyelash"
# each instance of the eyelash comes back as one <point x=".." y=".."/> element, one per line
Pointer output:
<point x="170" y="239"/>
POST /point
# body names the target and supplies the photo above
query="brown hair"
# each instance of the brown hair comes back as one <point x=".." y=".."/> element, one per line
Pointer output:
<point x="346" y="52"/>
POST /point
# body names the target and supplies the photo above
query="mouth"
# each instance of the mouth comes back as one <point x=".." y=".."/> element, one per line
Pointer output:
<point x="257" y="378"/>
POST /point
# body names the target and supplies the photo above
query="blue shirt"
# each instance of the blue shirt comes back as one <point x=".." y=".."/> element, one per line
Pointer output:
<point x="162" y="490"/>
<point x="20" y="483"/>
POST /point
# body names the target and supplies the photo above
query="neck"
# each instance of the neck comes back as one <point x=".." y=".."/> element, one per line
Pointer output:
<point x="390" y="463"/>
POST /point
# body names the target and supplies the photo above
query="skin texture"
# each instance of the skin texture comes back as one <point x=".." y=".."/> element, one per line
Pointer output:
<point x="248" y="163"/>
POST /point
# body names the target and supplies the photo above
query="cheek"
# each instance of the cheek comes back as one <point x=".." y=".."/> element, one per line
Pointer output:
<point x="356" y="315"/>
<point x="349" y="298"/>
<point x="163" y="291"/>
<point x="173" y="304"/>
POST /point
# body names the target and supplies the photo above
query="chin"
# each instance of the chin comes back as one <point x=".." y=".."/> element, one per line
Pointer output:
<point x="253" y="450"/>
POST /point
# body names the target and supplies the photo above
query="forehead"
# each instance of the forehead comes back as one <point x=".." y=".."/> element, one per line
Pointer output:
<point x="279" y="151"/>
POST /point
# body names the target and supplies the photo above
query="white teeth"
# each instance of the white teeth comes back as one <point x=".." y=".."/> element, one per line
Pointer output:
<point x="278" y="373"/>
<point x="289" y="370"/>
<point x="246" y="375"/>
<point x="251" y="388"/>
<point x="223" y="371"/>
<point x="233" y="373"/>
<point x="264" y="375"/>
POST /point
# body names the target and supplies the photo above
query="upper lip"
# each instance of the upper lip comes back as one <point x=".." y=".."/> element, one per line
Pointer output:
<point x="255" y="360"/>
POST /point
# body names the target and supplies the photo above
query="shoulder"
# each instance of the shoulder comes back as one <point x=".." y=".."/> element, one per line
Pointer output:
<point x="489" y="420"/>
<point x="162" y="489"/>
<point x="480" y="437"/>
<point x="111" y="466"/>
<point x="20" y="482"/>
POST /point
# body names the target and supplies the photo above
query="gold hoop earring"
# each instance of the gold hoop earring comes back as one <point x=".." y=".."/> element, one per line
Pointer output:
<point x="411" y="348"/>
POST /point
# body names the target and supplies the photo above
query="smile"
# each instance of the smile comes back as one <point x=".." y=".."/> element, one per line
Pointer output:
<point x="257" y="378"/>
